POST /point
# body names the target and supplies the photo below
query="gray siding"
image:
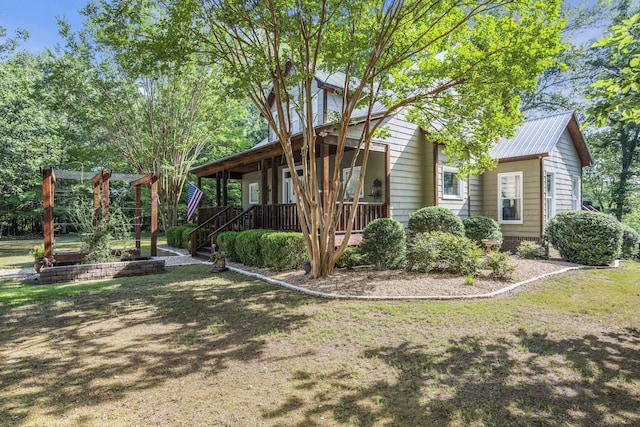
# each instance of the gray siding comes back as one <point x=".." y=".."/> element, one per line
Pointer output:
<point x="475" y="195"/>
<point x="564" y="163"/>
<point x="458" y="205"/>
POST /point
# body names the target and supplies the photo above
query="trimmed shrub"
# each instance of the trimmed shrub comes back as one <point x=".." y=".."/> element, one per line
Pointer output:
<point x="529" y="250"/>
<point x="350" y="258"/>
<point x="443" y="251"/>
<point x="630" y="242"/>
<point x="283" y="250"/>
<point x="479" y="227"/>
<point x="435" y="218"/>
<point x="585" y="237"/>
<point x="383" y="243"/>
<point x="248" y="247"/>
<point x="172" y="233"/>
<point x="500" y="264"/>
<point x="185" y="239"/>
<point x="226" y="242"/>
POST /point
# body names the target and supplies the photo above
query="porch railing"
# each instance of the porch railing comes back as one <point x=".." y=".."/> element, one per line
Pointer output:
<point x="200" y="234"/>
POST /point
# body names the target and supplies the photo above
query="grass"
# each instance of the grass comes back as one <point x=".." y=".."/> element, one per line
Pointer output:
<point x="193" y="348"/>
<point x="14" y="253"/>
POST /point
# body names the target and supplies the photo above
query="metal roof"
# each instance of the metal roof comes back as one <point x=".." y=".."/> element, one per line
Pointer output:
<point x="537" y="136"/>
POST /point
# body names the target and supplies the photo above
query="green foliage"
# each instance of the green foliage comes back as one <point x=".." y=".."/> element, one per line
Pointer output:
<point x="226" y="241"/>
<point x="435" y="218"/>
<point x="529" y="250"/>
<point x="185" y="241"/>
<point x="173" y="235"/>
<point x="248" y="247"/>
<point x="283" y="250"/>
<point x="584" y="237"/>
<point x="350" y="258"/>
<point x="479" y="227"/>
<point x="630" y="242"/>
<point x="443" y="251"/>
<point x="383" y="243"/>
<point x="633" y="220"/>
<point x="500" y="264"/>
<point x="37" y="252"/>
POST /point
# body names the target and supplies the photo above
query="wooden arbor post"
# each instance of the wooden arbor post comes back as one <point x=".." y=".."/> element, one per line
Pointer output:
<point x="48" y="187"/>
<point x="101" y="192"/>
<point x="153" y="180"/>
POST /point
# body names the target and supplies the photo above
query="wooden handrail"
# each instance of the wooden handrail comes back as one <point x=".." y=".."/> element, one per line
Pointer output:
<point x="197" y="243"/>
<point x="231" y="221"/>
<point x="210" y="220"/>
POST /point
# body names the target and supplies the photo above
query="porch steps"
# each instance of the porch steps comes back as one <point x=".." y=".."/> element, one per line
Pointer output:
<point x="204" y="253"/>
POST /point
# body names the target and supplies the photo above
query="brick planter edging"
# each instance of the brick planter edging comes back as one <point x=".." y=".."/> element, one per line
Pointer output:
<point x="81" y="272"/>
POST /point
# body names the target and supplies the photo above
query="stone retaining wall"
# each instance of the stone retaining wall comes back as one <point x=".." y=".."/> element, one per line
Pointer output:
<point x="80" y="272"/>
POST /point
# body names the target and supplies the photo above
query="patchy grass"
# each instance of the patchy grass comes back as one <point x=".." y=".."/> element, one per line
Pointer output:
<point x="192" y="348"/>
<point x="14" y="253"/>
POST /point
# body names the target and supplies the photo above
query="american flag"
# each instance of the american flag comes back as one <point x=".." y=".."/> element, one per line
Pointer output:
<point x="194" y="195"/>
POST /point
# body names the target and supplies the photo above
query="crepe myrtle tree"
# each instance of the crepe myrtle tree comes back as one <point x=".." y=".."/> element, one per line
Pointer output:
<point x="455" y="66"/>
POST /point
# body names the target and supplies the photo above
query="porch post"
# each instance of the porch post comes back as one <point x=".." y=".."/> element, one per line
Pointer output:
<point x="225" y="183"/>
<point x="48" y="186"/>
<point x="263" y="179"/>
<point x="218" y="189"/>
<point x="274" y="181"/>
<point x="96" y="201"/>
<point x="154" y="215"/>
<point x="387" y="182"/>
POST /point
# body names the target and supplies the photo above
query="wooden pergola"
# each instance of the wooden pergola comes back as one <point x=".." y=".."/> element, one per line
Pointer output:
<point x="100" y="193"/>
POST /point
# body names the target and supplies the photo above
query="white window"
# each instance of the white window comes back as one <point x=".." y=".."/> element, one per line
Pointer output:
<point x="510" y="198"/>
<point x="550" y="205"/>
<point x="288" y="193"/>
<point x="254" y="193"/>
<point x="576" y="202"/>
<point x="350" y="187"/>
<point x="451" y="185"/>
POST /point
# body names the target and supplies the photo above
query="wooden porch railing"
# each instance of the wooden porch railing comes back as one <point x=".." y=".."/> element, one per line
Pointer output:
<point x="282" y="217"/>
<point x="200" y="234"/>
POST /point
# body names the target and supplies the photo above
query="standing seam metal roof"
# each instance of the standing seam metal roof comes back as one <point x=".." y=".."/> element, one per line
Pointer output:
<point x="537" y="136"/>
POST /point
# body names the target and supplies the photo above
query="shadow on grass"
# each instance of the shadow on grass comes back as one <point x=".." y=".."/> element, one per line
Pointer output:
<point x="133" y="334"/>
<point x="525" y="379"/>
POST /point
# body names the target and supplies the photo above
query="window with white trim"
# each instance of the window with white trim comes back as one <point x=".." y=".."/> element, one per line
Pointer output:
<point x="350" y="188"/>
<point x="451" y="185"/>
<point x="576" y="203"/>
<point x="550" y="196"/>
<point x="510" y="198"/>
<point x="254" y="193"/>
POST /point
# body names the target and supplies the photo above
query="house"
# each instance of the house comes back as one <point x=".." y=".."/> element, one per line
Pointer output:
<point x="539" y="173"/>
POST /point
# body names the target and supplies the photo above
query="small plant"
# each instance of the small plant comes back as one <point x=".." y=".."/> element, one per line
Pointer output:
<point x="383" y="243"/>
<point x="469" y="280"/>
<point x="37" y="252"/>
<point x="529" y="250"/>
<point x="443" y="251"/>
<point x="500" y="264"/>
<point x="585" y="237"/>
<point x="435" y="218"/>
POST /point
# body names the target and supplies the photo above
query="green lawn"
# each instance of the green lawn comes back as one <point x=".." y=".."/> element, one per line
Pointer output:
<point x="14" y="253"/>
<point x="194" y="348"/>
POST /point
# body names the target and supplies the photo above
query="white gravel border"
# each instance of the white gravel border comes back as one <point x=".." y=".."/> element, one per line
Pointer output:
<point x="407" y="297"/>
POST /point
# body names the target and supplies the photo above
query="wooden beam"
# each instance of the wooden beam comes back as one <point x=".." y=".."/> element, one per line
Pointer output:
<point x="138" y="217"/>
<point x="387" y="182"/>
<point x="96" y="202"/>
<point x="263" y="179"/>
<point x="225" y="192"/>
<point x="274" y="182"/>
<point x="154" y="216"/>
<point x="48" y="189"/>
<point x="105" y="198"/>
<point x="147" y="179"/>
<point x="218" y="192"/>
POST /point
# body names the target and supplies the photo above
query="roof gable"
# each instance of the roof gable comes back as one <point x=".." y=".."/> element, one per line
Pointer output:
<point x="539" y="136"/>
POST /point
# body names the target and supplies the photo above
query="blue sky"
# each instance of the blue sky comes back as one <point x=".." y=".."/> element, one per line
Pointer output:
<point x="39" y="18"/>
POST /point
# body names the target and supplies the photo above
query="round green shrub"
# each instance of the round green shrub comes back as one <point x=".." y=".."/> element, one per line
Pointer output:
<point x="585" y="237"/>
<point x="350" y="258"/>
<point x="435" y="218"/>
<point x="248" y="247"/>
<point x="479" y="227"/>
<point x="172" y="233"/>
<point x="226" y="242"/>
<point x="383" y="243"/>
<point x="630" y="242"/>
<point x="443" y="251"/>
<point x="185" y="238"/>
<point x="283" y="250"/>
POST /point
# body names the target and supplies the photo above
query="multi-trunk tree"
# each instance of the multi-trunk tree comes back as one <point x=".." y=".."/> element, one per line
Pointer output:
<point x="456" y="67"/>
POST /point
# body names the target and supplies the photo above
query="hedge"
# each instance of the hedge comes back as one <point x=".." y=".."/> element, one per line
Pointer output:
<point x="630" y="242"/>
<point x="383" y="243"/>
<point x="443" y="251"/>
<point x="435" y="218"/>
<point x="247" y="247"/>
<point x="585" y="237"/>
<point x="283" y="250"/>
<point x="226" y="242"/>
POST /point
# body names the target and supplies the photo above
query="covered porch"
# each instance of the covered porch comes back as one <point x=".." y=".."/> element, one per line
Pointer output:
<point x="268" y="200"/>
